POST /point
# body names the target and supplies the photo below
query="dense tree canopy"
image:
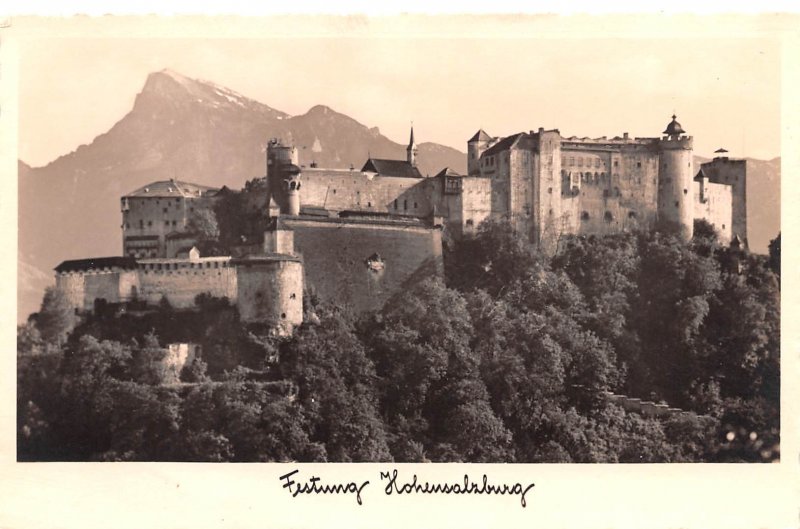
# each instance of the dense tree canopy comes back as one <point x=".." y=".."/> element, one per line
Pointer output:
<point x="512" y="357"/>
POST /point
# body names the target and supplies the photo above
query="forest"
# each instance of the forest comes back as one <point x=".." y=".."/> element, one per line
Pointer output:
<point x="508" y="358"/>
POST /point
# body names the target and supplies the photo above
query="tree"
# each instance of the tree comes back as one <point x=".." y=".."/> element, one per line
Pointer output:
<point x="336" y="380"/>
<point x="204" y="224"/>
<point x="56" y="318"/>
<point x="775" y="255"/>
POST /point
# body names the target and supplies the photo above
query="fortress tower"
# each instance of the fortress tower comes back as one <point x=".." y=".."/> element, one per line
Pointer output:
<point x="283" y="177"/>
<point x="411" y="150"/>
<point x="675" y="174"/>
<point x="475" y="147"/>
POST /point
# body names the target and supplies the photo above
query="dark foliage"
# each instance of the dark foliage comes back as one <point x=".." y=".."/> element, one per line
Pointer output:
<point x="512" y="359"/>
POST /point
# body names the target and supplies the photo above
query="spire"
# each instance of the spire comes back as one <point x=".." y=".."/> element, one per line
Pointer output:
<point x="411" y="150"/>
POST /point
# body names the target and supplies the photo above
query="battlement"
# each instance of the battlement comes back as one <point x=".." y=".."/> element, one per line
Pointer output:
<point x="676" y="142"/>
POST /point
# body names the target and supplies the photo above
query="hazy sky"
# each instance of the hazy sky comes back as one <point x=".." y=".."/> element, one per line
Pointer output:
<point x="726" y="91"/>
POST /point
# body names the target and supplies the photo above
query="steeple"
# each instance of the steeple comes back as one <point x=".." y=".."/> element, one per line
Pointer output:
<point x="411" y="150"/>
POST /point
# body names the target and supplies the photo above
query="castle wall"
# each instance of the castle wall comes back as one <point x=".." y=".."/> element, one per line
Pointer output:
<point x="339" y="190"/>
<point x="181" y="280"/>
<point x="270" y="290"/>
<point x="73" y="286"/>
<point x="713" y="203"/>
<point x="734" y="174"/>
<point x="362" y="264"/>
<point x="546" y="226"/>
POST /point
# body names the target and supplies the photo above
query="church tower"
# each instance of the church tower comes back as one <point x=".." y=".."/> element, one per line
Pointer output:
<point x="675" y="179"/>
<point x="411" y="150"/>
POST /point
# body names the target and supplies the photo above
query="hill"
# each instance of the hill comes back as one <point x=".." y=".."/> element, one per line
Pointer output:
<point x="183" y="128"/>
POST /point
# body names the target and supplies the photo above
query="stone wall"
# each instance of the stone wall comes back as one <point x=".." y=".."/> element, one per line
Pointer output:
<point x="361" y="264"/>
<point x="181" y="280"/>
<point x="713" y="203"/>
<point x="270" y="290"/>
<point x="339" y="190"/>
<point x="733" y="173"/>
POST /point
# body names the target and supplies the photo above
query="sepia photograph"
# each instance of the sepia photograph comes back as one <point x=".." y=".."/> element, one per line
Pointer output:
<point x="348" y="247"/>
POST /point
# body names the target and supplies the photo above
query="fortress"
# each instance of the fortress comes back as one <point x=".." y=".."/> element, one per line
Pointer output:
<point x="356" y="237"/>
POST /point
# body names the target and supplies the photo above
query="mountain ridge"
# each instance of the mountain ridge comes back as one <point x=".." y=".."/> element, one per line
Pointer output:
<point x="205" y="133"/>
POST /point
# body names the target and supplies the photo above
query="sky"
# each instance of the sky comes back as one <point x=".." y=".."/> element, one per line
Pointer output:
<point x="577" y="77"/>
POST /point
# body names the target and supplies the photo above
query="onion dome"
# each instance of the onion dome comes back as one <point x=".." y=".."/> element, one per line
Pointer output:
<point x="674" y="128"/>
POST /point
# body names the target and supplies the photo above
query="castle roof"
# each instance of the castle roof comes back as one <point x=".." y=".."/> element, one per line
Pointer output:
<point x="96" y="263"/>
<point x="447" y="172"/>
<point x="674" y="128"/>
<point x="480" y="136"/>
<point x="391" y="168"/>
<point x="502" y="145"/>
<point x="720" y="150"/>
<point x="172" y="188"/>
<point x="700" y="175"/>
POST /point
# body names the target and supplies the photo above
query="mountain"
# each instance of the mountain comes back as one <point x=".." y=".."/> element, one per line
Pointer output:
<point x="178" y="128"/>
<point x="201" y="132"/>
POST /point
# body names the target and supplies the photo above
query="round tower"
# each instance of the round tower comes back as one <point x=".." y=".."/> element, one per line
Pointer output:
<point x="411" y="150"/>
<point x="675" y="184"/>
<point x="283" y="177"/>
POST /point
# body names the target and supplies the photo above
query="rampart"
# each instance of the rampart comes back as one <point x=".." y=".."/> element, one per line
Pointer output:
<point x="360" y="263"/>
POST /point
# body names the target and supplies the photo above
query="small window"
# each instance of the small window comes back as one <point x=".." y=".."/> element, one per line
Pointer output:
<point x="685" y="191"/>
<point x="395" y="203"/>
<point x="293" y="296"/>
<point x="141" y="224"/>
<point x="415" y="205"/>
<point x="369" y="204"/>
<point x="639" y="164"/>
<point x="550" y="190"/>
<point x="631" y="214"/>
<point x="585" y="215"/>
<point x="149" y="223"/>
<point x="469" y="222"/>
<point x="723" y="226"/>
<point x="283" y="315"/>
<point x="166" y="223"/>
<point x="616" y="163"/>
<point x="608" y="217"/>
<point x="677" y="203"/>
<point x="165" y="210"/>
<point x="405" y="205"/>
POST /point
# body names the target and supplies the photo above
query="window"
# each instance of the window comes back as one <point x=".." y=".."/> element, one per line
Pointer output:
<point x="174" y="223"/>
<point x="405" y="205"/>
<point x="685" y="191"/>
<point x="165" y="210"/>
<point x="283" y="315"/>
<point x="639" y="164"/>
<point x="166" y="223"/>
<point x="149" y="223"/>
<point x="631" y="214"/>
<point x="616" y="163"/>
<point x="608" y="217"/>
<point x="141" y="223"/>
<point x="550" y="190"/>
<point x="369" y="204"/>
<point x="469" y="222"/>
<point x="415" y="205"/>
<point x="585" y="215"/>
<point x="395" y="203"/>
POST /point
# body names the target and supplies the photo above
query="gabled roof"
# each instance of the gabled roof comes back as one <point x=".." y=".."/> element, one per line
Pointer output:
<point x="502" y="145"/>
<point x="447" y="172"/>
<point x="172" y="188"/>
<point x="391" y="168"/>
<point x="480" y="136"/>
<point x="96" y="263"/>
<point x="700" y="175"/>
